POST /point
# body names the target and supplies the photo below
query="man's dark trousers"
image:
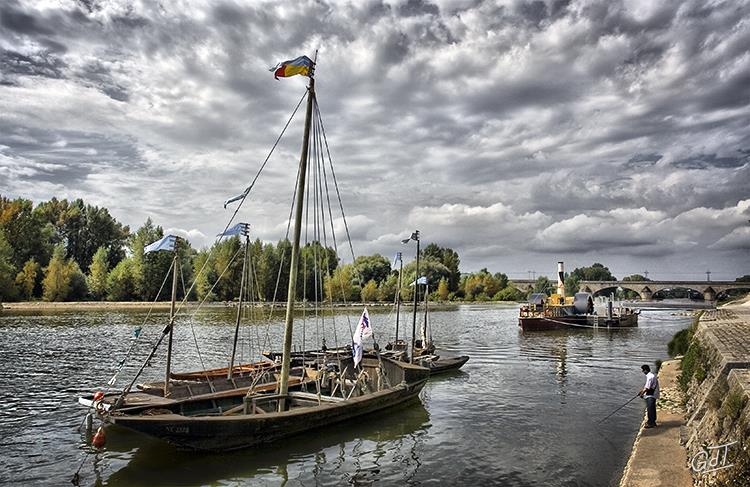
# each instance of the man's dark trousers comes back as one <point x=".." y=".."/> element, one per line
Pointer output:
<point x="651" y="410"/>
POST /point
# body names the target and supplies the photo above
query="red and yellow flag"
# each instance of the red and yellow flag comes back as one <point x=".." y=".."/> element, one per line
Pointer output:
<point x="303" y="65"/>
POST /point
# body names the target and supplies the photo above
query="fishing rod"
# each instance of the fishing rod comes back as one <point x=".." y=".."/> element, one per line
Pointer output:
<point x="613" y="412"/>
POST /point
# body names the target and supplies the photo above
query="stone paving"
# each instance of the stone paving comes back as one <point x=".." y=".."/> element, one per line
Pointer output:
<point x="727" y="330"/>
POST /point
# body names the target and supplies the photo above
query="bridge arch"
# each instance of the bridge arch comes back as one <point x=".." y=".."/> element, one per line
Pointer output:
<point x="646" y="289"/>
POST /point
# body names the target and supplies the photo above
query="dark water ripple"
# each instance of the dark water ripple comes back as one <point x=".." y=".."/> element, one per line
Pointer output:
<point x="522" y="412"/>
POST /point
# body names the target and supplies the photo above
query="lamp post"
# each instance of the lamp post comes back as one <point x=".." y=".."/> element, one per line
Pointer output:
<point x="414" y="236"/>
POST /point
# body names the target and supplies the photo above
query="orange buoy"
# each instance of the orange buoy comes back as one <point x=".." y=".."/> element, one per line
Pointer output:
<point x="98" y="395"/>
<point x="99" y="438"/>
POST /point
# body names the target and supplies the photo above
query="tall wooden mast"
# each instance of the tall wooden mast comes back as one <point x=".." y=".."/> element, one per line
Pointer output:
<point x="175" y="263"/>
<point x="416" y="292"/>
<point x="299" y="203"/>
<point x="398" y="295"/>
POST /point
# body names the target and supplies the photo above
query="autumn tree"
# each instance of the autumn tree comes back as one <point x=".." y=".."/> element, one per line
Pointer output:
<point x="369" y="292"/>
<point x="26" y="280"/>
<point x="442" y="291"/>
<point x="339" y="286"/>
<point x="58" y="276"/>
<point x="24" y="231"/>
<point x="98" y="270"/>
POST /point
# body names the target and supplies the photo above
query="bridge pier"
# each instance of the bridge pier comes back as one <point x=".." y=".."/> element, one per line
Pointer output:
<point x="709" y="295"/>
<point x="646" y="294"/>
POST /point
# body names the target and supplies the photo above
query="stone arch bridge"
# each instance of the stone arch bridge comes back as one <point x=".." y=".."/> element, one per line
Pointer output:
<point x="646" y="289"/>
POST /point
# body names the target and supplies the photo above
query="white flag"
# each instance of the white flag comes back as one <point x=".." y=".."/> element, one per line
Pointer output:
<point x="364" y="330"/>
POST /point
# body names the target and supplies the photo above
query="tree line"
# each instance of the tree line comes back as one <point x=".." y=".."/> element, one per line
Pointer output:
<point x="62" y="250"/>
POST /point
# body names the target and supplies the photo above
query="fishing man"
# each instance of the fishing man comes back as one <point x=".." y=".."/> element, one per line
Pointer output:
<point x="650" y="393"/>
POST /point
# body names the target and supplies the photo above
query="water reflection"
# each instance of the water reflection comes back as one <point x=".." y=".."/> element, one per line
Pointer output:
<point x="356" y="451"/>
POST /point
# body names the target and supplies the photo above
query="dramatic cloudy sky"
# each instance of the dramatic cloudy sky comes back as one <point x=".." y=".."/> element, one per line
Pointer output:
<point x="519" y="133"/>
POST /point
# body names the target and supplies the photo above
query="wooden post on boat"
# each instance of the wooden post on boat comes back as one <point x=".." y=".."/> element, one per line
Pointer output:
<point x="239" y="310"/>
<point x="424" y="325"/>
<point x="175" y="263"/>
<point x="299" y="203"/>
<point x="398" y="296"/>
<point x="416" y="289"/>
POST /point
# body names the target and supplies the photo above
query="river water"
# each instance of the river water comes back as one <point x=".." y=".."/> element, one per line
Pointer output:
<point x="522" y="412"/>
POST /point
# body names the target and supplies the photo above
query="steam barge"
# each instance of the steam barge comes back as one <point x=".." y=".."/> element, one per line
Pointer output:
<point x="558" y="312"/>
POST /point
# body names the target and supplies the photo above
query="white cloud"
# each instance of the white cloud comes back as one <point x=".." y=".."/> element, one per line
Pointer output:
<point x="509" y="131"/>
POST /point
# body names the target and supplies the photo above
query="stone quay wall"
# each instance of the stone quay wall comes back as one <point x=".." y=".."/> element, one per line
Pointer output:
<point x="717" y="433"/>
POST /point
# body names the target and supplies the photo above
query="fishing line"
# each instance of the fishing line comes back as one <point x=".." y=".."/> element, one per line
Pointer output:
<point x="613" y="412"/>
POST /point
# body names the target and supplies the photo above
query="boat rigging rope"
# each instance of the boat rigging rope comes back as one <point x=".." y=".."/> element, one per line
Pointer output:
<point x="321" y="136"/>
<point x="192" y="317"/>
<point x="137" y="333"/>
<point x="242" y="200"/>
<point x="267" y="340"/>
<point x="569" y="324"/>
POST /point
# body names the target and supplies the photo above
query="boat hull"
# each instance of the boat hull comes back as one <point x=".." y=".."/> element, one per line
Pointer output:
<point x="446" y="364"/>
<point x="221" y="433"/>
<point x="542" y="323"/>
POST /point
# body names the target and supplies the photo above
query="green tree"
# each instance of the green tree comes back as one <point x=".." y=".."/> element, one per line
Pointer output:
<point x="597" y="272"/>
<point x="8" y="290"/>
<point x="387" y="288"/>
<point x="316" y="262"/>
<point x="98" y="270"/>
<point x="542" y="285"/>
<point x="122" y="281"/>
<point x="508" y="293"/>
<point x="267" y="272"/>
<point x="635" y="277"/>
<point x="442" y="290"/>
<point x="572" y="285"/>
<point x="79" y="289"/>
<point x="433" y="269"/>
<point x="204" y="277"/>
<point x="146" y="273"/>
<point x="57" y="277"/>
<point x="227" y="266"/>
<point x="26" y="280"/>
<point x="502" y="279"/>
<point x="449" y="258"/>
<point x="369" y="293"/>
<point x="83" y="228"/>
<point x="372" y="268"/>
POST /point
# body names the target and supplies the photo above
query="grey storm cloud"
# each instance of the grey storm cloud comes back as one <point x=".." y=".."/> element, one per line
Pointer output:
<point x="517" y="132"/>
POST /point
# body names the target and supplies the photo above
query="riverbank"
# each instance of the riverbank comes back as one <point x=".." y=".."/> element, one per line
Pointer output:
<point x="94" y="305"/>
<point x="703" y="436"/>
<point x="658" y="459"/>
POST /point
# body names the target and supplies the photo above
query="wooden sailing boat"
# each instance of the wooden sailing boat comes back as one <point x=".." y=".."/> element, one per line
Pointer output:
<point x="239" y="418"/>
<point x="422" y="350"/>
<point x="400" y="347"/>
<point x="436" y="363"/>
